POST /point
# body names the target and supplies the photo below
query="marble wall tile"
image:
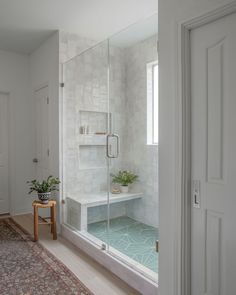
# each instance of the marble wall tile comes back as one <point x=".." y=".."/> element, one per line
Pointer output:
<point x="86" y="100"/>
<point x="72" y="45"/>
<point x="140" y="157"/>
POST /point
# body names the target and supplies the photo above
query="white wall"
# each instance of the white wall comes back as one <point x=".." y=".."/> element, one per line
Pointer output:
<point x="14" y="79"/>
<point x="44" y="70"/>
<point x="170" y="13"/>
<point x="20" y="76"/>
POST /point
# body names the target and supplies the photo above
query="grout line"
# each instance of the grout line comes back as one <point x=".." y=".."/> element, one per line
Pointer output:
<point x="102" y="236"/>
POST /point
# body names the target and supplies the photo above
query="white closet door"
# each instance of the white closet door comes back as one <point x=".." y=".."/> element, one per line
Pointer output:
<point x="213" y="84"/>
<point x="42" y="132"/>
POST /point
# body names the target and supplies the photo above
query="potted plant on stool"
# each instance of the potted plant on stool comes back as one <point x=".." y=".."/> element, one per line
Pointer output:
<point x="124" y="178"/>
<point x="44" y="188"/>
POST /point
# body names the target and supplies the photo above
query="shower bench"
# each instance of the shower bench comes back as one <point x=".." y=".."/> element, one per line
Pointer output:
<point x="79" y="204"/>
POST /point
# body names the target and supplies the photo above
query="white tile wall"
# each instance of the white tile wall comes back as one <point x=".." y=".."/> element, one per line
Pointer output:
<point x="140" y="157"/>
<point x="85" y="80"/>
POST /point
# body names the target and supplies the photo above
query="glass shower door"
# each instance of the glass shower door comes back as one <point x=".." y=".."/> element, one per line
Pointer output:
<point x="86" y="123"/>
<point x="133" y="83"/>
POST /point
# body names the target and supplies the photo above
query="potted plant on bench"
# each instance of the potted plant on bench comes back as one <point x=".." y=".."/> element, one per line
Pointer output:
<point x="124" y="178"/>
<point x="44" y="188"/>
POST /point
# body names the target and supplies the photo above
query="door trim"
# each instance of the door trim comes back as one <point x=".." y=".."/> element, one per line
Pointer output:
<point x="9" y="174"/>
<point x="183" y="150"/>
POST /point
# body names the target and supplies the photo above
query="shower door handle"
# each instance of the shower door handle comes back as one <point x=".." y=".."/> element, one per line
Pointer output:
<point x="109" y="154"/>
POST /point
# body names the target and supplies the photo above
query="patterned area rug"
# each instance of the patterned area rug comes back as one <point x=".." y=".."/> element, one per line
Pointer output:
<point x="26" y="268"/>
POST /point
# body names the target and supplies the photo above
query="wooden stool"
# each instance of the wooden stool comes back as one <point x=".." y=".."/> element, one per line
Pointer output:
<point x="52" y="205"/>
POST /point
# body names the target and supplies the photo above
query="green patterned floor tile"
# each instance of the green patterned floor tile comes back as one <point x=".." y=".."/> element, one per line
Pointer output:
<point x="130" y="237"/>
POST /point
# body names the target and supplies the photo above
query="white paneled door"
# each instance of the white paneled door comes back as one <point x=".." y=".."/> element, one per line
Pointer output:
<point x="213" y="93"/>
<point x="42" y="133"/>
<point x="4" y="176"/>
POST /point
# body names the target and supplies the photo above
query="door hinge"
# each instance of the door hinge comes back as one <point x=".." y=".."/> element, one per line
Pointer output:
<point x="48" y="152"/>
<point x="35" y="160"/>
<point x="62" y="85"/>
<point x="103" y="247"/>
<point x="47" y="100"/>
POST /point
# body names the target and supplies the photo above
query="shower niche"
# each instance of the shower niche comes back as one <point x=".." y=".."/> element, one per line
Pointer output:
<point x="93" y="129"/>
<point x="93" y="126"/>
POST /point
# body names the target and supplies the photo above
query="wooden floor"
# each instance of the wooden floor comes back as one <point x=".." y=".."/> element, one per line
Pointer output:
<point x="99" y="280"/>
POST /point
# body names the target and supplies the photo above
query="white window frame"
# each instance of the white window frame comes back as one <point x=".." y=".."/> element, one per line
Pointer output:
<point x="151" y="128"/>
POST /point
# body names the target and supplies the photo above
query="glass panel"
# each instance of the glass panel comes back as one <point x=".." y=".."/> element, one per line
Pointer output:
<point x="110" y="135"/>
<point x="133" y="229"/>
<point x="86" y="123"/>
<point x="155" y="104"/>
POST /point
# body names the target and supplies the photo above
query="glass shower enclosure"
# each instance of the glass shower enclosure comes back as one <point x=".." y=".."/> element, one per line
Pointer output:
<point x="110" y="101"/>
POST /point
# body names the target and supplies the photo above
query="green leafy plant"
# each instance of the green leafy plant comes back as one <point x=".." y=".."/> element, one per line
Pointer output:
<point x="124" y="177"/>
<point x="46" y="186"/>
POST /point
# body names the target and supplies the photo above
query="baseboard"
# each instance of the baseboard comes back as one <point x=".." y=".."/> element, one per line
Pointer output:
<point x="5" y="215"/>
<point x="21" y="212"/>
<point x="27" y="212"/>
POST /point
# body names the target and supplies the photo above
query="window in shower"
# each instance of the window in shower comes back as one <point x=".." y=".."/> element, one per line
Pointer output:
<point x="152" y="103"/>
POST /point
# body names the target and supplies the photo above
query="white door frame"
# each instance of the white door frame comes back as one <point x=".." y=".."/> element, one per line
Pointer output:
<point x="10" y="172"/>
<point x="183" y="151"/>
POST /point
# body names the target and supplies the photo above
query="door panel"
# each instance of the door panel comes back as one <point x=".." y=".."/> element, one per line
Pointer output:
<point x="213" y="72"/>
<point x="42" y="132"/>
<point x="4" y="180"/>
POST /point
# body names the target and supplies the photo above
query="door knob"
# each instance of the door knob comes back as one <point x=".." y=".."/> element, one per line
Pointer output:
<point x="35" y="160"/>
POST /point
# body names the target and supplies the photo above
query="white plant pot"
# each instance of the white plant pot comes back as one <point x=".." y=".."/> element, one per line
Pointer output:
<point x="124" y="188"/>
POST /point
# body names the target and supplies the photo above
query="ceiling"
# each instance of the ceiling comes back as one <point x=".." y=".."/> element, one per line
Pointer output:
<point x="25" y="24"/>
<point x="136" y="33"/>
